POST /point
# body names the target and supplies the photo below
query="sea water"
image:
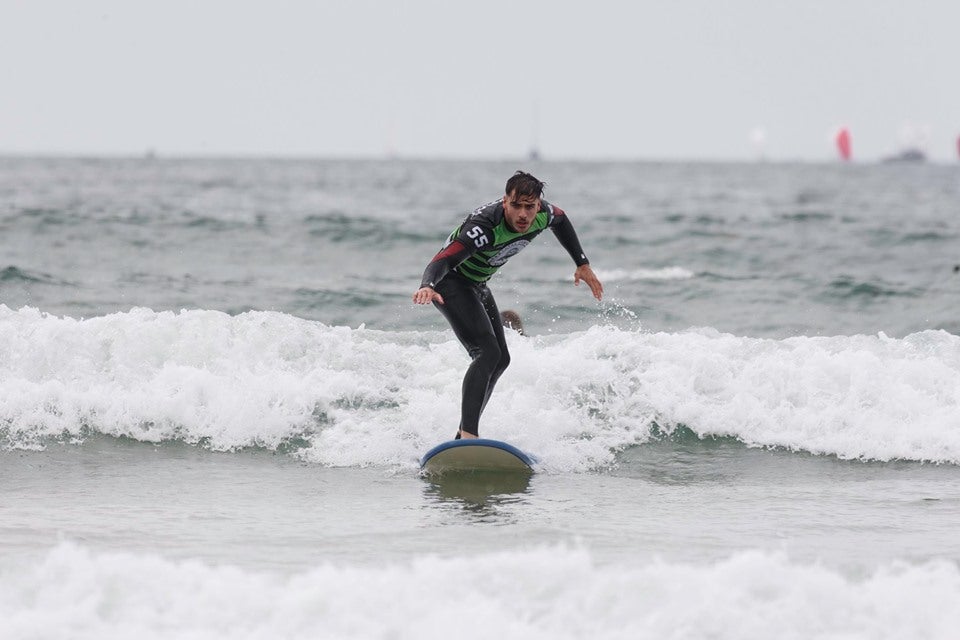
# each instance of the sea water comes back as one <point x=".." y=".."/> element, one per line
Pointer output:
<point x="214" y="392"/>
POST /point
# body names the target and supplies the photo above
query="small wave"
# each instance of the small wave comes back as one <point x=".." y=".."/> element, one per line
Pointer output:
<point x="322" y="298"/>
<point x="551" y="592"/>
<point x="807" y="216"/>
<point x="341" y="227"/>
<point x="665" y="273"/>
<point x="12" y="274"/>
<point x="47" y="216"/>
<point x="928" y="236"/>
<point x="847" y="287"/>
<point x="212" y="224"/>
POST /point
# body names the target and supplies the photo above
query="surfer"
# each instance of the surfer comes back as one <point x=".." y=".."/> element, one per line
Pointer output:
<point x="455" y="281"/>
<point x="511" y="320"/>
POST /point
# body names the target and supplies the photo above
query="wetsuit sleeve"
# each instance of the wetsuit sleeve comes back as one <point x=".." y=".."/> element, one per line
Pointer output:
<point x="472" y="238"/>
<point x="562" y="228"/>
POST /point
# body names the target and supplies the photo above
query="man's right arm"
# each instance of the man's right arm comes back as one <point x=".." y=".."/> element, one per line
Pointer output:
<point x="472" y="238"/>
<point x="450" y="256"/>
<point x="467" y="242"/>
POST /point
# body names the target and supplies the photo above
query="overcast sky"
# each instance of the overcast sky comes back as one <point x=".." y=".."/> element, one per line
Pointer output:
<point x="681" y="79"/>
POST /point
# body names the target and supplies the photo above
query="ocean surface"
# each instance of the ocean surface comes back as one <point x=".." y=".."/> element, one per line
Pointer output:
<point x="214" y="392"/>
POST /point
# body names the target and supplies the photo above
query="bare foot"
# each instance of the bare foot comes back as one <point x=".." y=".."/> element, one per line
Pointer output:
<point x="467" y="436"/>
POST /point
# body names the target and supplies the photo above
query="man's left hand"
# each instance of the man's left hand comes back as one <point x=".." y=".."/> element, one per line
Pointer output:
<point x="585" y="273"/>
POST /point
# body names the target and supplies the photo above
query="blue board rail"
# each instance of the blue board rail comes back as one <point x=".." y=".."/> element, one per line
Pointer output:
<point x="476" y="454"/>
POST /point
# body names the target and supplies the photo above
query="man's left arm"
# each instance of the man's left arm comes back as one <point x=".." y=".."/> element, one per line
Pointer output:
<point x="563" y="229"/>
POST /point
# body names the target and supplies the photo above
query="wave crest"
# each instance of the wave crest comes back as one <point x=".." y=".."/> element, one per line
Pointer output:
<point x="345" y="396"/>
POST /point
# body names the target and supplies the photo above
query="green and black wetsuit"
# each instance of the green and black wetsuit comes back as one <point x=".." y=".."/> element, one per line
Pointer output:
<point x="472" y="254"/>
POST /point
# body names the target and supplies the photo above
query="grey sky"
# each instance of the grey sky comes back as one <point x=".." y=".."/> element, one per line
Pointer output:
<point x="692" y="79"/>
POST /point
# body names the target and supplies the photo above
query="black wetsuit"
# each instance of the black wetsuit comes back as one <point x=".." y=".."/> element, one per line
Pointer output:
<point x="459" y="272"/>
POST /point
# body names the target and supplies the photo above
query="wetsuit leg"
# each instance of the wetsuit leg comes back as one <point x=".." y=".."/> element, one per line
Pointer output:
<point x="493" y="314"/>
<point x="472" y="313"/>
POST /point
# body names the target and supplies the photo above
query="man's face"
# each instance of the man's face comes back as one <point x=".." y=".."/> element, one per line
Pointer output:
<point x="520" y="211"/>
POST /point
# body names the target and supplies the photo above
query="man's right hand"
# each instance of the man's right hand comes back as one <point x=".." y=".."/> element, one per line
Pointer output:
<point x="426" y="295"/>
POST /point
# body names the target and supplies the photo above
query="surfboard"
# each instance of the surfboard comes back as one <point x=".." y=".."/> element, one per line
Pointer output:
<point x="476" y="454"/>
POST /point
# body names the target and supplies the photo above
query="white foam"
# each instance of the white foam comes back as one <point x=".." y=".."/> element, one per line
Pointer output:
<point x="537" y="593"/>
<point x="869" y="397"/>
<point x="361" y="397"/>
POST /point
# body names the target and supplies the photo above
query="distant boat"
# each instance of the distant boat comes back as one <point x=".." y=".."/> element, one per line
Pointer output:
<point x="913" y="144"/>
<point x="911" y="155"/>
<point x="843" y="144"/>
<point x="958" y="146"/>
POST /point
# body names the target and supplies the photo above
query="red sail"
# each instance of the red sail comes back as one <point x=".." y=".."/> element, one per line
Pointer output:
<point x="843" y="143"/>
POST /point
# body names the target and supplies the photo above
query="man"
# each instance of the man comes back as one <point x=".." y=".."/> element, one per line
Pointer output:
<point x="455" y="281"/>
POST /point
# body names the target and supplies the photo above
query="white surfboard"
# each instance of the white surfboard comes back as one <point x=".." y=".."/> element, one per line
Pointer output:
<point x="476" y="454"/>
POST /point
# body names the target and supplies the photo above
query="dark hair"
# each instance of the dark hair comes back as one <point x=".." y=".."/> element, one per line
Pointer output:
<point x="524" y="184"/>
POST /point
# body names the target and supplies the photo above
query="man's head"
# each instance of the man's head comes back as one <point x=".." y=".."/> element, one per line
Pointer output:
<point x="522" y="201"/>
<point x="511" y="319"/>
